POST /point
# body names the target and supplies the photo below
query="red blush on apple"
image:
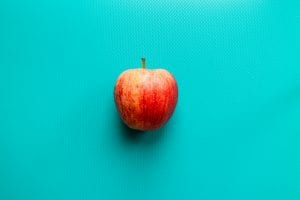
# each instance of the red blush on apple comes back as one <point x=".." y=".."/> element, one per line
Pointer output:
<point x="145" y="98"/>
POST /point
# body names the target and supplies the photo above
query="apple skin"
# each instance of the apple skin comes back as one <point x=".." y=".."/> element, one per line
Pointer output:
<point x="145" y="99"/>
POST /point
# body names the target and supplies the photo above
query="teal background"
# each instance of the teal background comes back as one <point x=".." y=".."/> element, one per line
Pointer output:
<point x="235" y="133"/>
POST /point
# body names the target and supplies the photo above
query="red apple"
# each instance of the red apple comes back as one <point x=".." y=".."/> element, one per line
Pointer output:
<point x="145" y="99"/>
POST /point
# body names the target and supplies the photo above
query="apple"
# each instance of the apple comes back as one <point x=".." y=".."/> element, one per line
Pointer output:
<point x="145" y="98"/>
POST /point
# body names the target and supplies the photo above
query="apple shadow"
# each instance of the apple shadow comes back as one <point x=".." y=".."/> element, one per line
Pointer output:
<point x="129" y="133"/>
<point x="136" y="136"/>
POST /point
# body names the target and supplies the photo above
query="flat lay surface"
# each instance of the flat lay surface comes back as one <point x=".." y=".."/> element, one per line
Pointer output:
<point x="235" y="133"/>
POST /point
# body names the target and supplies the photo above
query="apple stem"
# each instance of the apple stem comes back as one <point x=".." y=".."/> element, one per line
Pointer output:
<point x="143" y="63"/>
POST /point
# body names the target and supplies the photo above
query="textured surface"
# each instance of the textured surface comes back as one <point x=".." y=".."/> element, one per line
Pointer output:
<point x="235" y="133"/>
